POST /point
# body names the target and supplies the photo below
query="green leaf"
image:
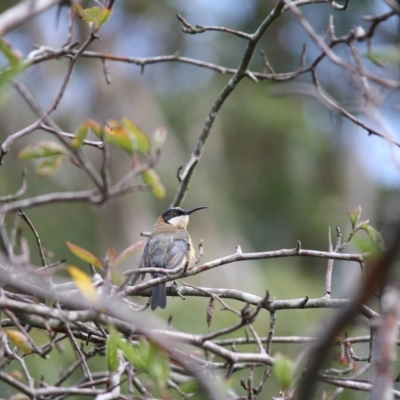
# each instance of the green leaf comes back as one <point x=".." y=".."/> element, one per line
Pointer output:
<point x="384" y="54"/>
<point x="158" y="366"/>
<point x="128" y="252"/>
<point x="354" y="216"/>
<point x="283" y="370"/>
<point x="190" y="386"/>
<point x="9" y="73"/>
<point x="94" y="16"/>
<point x="132" y="354"/>
<point x="43" y="149"/>
<point x="374" y="235"/>
<point x="92" y="13"/>
<point x="95" y="127"/>
<point x="84" y="255"/>
<point x="117" y="135"/>
<point x="80" y="136"/>
<point x="49" y="166"/>
<point x="112" y="345"/>
<point x="117" y="278"/>
<point x="13" y="56"/>
<point x="142" y="138"/>
<point x="81" y="11"/>
<point x="151" y="178"/>
<point x="102" y="17"/>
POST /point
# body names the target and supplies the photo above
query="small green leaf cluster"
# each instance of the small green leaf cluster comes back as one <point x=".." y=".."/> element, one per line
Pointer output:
<point x="95" y="17"/>
<point x="124" y="134"/>
<point x="15" y="63"/>
<point x="357" y="225"/>
<point x="146" y="356"/>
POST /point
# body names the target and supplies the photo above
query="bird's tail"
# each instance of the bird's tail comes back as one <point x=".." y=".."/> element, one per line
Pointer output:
<point x="158" y="296"/>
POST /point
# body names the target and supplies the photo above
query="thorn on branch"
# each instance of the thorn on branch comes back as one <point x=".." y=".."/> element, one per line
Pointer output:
<point x="189" y="28"/>
<point x="304" y="302"/>
<point x="267" y="64"/>
<point x="201" y="253"/>
<point x="337" y="6"/>
<point x="298" y="247"/>
<point x="106" y="71"/>
<point x="178" y="174"/>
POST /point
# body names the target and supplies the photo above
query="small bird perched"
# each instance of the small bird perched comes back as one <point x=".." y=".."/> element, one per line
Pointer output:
<point x="168" y="246"/>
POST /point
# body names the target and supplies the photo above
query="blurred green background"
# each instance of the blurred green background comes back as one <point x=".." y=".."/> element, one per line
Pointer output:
<point x="276" y="169"/>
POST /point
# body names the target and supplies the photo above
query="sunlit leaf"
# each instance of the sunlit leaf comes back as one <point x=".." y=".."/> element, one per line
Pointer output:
<point x="83" y="283"/>
<point x="117" y="135"/>
<point x="112" y="345"/>
<point x="95" y="127"/>
<point x="84" y="255"/>
<point x="20" y="340"/>
<point x="102" y="17"/>
<point x="81" y="11"/>
<point x="80" y="136"/>
<point x="128" y="252"/>
<point x="159" y="136"/>
<point x="92" y="13"/>
<point x="142" y="138"/>
<point x="43" y="149"/>
<point x="283" y="370"/>
<point x="49" y="166"/>
<point x="151" y="178"/>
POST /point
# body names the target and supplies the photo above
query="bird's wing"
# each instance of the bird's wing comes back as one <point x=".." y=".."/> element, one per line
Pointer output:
<point x="144" y="260"/>
<point x="177" y="253"/>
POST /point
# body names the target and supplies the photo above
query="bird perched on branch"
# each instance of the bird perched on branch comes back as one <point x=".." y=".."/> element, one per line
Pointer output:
<point x="168" y="246"/>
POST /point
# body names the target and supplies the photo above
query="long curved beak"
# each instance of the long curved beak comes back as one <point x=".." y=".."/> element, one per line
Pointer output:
<point x="195" y="209"/>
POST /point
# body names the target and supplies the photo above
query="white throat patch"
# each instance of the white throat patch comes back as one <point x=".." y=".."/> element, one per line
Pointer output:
<point x="181" y="221"/>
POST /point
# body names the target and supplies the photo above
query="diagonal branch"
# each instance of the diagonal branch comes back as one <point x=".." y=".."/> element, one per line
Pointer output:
<point x="187" y="172"/>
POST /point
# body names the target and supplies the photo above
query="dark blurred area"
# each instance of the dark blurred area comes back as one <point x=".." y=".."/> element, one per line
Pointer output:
<point x="277" y="168"/>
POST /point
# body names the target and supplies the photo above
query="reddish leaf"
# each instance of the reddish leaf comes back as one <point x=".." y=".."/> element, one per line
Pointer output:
<point x="128" y="252"/>
<point x="84" y="255"/>
<point x="110" y="256"/>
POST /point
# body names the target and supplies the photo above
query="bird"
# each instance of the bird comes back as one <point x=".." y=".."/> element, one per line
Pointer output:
<point x="168" y="246"/>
